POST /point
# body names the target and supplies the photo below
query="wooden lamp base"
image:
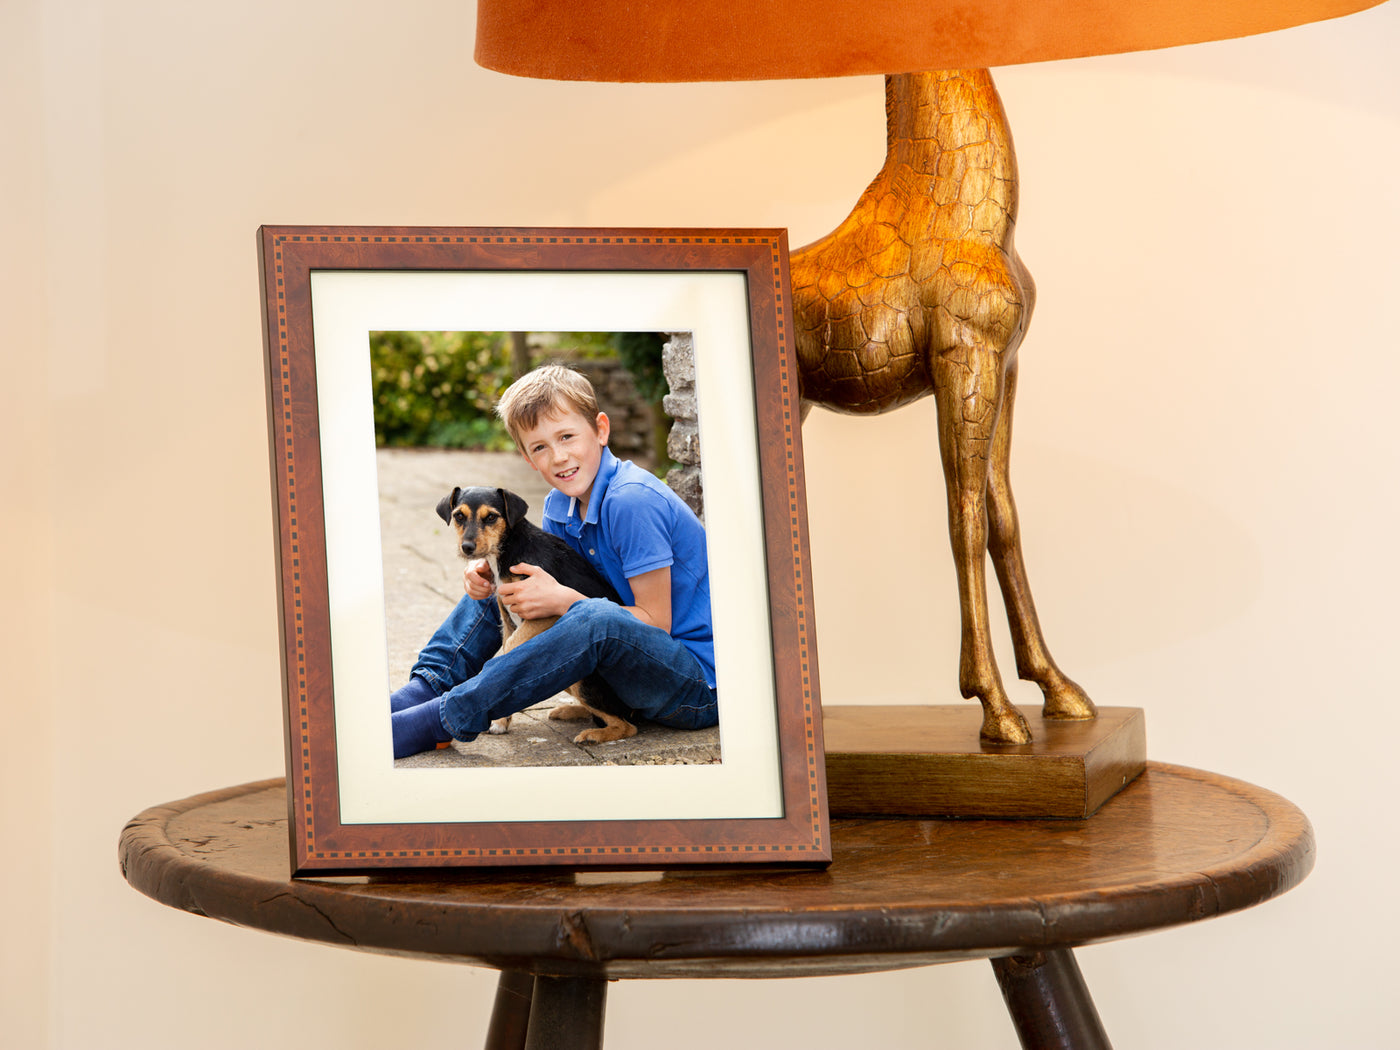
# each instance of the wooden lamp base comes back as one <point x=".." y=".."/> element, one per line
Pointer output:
<point x="927" y="761"/>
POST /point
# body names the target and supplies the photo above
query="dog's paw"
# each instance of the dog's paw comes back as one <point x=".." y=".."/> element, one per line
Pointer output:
<point x="569" y="713"/>
<point x="500" y="725"/>
<point x="607" y="734"/>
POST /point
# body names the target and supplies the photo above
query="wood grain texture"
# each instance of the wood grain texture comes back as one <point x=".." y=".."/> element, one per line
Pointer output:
<point x="927" y="760"/>
<point x="1178" y="845"/>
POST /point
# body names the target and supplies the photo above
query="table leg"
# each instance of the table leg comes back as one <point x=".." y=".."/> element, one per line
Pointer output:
<point x="566" y="1013"/>
<point x="510" y="1015"/>
<point x="1049" y="1002"/>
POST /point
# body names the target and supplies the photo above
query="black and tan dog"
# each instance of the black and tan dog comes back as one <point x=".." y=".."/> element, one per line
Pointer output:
<point x="491" y="525"/>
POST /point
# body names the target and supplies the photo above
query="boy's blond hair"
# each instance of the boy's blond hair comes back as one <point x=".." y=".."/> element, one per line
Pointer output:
<point x="543" y="392"/>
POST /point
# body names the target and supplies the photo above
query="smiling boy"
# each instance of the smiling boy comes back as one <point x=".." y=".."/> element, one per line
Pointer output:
<point x="656" y="650"/>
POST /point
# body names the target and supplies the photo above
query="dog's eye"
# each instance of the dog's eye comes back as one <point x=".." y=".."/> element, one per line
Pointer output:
<point x="490" y="518"/>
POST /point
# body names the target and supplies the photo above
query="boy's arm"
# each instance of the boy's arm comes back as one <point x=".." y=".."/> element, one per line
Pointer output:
<point x="651" y="591"/>
<point x="537" y="595"/>
<point x="540" y="594"/>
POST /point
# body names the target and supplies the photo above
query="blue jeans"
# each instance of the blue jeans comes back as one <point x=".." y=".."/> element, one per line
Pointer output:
<point x="652" y="673"/>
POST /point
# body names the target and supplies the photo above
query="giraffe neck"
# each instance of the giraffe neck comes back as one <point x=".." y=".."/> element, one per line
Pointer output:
<point x="948" y="141"/>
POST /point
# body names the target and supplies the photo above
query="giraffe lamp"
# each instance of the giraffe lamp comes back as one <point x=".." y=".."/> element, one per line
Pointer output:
<point x="919" y="291"/>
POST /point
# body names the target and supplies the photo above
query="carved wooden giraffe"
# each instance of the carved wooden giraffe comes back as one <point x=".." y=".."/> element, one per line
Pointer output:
<point x="919" y="292"/>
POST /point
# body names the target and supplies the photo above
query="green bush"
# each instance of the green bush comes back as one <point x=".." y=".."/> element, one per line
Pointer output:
<point x="640" y="354"/>
<point x="439" y="389"/>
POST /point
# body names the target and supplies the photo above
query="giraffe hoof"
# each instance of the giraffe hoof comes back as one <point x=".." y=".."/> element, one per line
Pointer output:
<point x="1005" y="727"/>
<point x="1067" y="701"/>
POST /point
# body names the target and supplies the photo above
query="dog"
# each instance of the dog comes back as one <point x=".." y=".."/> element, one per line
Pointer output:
<point x="490" y="524"/>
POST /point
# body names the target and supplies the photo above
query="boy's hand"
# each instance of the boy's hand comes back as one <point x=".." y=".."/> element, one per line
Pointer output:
<point x="477" y="579"/>
<point x="538" y="595"/>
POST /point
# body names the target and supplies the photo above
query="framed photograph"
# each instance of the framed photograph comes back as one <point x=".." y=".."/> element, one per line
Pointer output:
<point x="387" y="349"/>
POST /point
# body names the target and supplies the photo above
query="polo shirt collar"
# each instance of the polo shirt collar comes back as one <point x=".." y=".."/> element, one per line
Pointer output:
<point x="566" y="514"/>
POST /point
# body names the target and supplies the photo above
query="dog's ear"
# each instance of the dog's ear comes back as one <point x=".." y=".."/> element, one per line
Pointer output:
<point x="515" y="506"/>
<point x="445" y="505"/>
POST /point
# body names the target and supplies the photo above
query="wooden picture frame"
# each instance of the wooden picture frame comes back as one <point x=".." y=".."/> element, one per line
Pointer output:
<point x="350" y="809"/>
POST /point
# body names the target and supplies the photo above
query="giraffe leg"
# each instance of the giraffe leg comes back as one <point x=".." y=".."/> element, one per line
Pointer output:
<point x="1063" y="698"/>
<point x="968" y="385"/>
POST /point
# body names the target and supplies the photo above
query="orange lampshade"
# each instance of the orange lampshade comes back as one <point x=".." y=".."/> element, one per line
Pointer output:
<point x="684" y="40"/>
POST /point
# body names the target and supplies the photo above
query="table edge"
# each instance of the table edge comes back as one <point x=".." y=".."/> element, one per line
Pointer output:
<point x="585" y="940"/>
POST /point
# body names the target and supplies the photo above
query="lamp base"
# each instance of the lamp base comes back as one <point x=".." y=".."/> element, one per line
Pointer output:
<point x="927" y="761"/>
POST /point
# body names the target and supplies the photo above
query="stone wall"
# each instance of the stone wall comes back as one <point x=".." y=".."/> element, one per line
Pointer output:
<point x="683" y="444"/>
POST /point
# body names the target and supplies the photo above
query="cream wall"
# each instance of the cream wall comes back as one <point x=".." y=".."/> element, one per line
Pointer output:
<point x="1206" y="463"/>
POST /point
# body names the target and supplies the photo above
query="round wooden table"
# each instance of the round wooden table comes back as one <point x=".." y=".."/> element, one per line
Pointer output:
<point x="1176" y="846"/>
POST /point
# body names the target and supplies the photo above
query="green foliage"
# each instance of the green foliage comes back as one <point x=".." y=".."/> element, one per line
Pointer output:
<point x="439" y="389"/>
<point x="640" y="354"/>
<point x="588" y="344"/>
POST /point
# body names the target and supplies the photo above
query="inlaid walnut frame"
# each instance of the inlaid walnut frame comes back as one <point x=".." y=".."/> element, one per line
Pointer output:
<point x="332" y="828"/>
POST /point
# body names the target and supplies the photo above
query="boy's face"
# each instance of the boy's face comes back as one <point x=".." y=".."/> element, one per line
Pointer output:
<point x="567" y="448"/>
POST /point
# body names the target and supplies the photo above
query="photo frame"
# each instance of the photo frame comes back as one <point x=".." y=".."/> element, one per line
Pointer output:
<point x="351" y="806"/>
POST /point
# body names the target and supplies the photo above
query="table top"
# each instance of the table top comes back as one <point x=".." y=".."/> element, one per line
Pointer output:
<point x="1176" y="846"/>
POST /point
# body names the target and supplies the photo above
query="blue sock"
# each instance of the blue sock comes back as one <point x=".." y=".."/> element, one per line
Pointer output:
<point x="418" y="729"/>
<point x="416" y="692"/>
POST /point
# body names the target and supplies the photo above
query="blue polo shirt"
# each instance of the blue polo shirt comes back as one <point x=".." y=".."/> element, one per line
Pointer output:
<point x="634" y="524"/>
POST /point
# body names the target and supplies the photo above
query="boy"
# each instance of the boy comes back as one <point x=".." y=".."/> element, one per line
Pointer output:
<point x="656" y="650"/>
